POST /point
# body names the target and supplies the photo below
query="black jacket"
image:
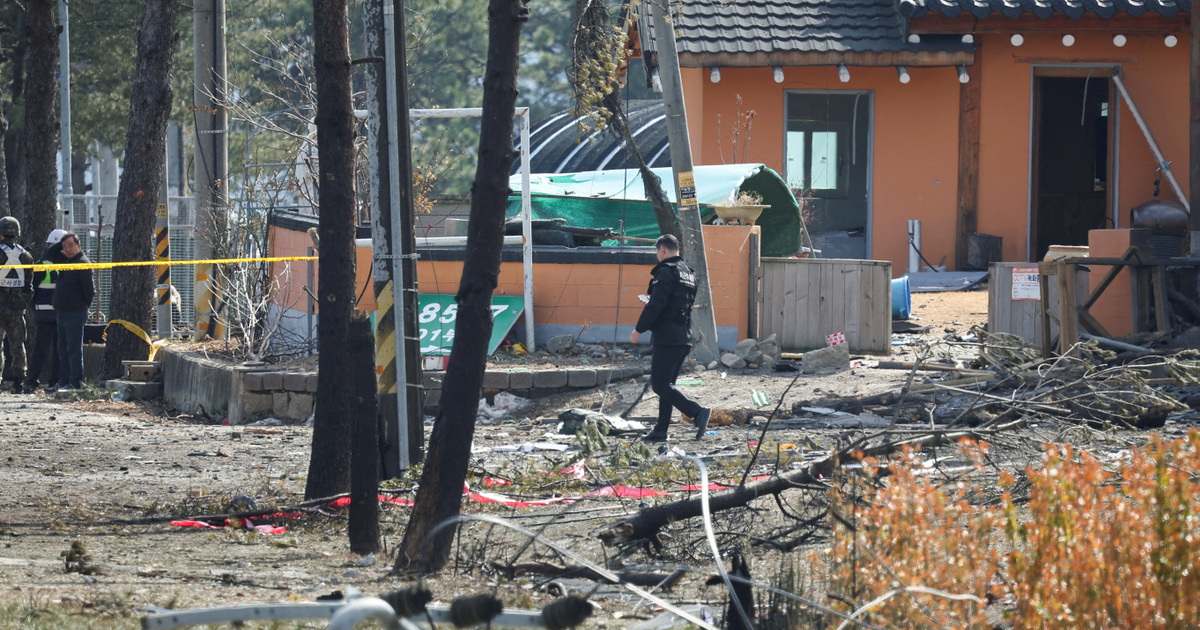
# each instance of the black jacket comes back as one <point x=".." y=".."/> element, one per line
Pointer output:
<point x="44" y="283"/>
<point x="74" y="290"/>
<point x="669" y="313"/>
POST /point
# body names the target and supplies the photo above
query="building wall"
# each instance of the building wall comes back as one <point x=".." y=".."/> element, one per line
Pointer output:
<point x="565" y="296"/>
<point x="606" y="295"/>
<point x="915" y="142"/>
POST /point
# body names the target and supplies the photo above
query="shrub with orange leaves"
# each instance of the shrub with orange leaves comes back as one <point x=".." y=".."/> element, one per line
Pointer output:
<point x="1099" y="549"/>
<point x="1091" y="548"/>
<point x="909" y="532"/>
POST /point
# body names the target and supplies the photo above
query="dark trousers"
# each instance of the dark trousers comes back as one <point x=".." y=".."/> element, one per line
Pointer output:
<point x="70" y="347"/>
<point x="665" y="363"/>
<point x="44" y="350"/>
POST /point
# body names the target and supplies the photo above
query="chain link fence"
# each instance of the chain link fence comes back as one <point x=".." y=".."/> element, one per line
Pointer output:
<point x="92" y="217"/>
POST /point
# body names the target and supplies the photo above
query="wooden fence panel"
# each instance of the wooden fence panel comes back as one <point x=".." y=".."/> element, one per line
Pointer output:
<point x="806" y="299"/>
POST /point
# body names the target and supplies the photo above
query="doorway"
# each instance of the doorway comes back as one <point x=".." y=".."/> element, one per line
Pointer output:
<point x="1073" y="156"/>
<point x="827" y="165"/>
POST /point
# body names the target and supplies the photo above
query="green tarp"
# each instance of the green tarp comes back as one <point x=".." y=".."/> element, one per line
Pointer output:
<point x="602" y="199"/>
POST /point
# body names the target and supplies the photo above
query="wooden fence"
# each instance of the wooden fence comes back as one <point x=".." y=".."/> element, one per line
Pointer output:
<point x="803" y="300"/>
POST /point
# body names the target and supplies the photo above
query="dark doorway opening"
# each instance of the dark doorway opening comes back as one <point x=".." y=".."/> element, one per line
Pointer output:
<point x="1073" y="157"/>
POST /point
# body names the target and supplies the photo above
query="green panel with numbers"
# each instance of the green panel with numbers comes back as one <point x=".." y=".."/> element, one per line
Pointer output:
<point x="439" y="312"/>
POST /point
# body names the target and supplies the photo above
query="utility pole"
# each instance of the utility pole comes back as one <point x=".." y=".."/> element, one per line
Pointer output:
<point x="393" y="243"/>
<point x="1194" y="132"/>
<point x="162" y="253"/>
<point x="691" y="234"/>
<point x="64" y="88"/>
<point x="211" y="161"/>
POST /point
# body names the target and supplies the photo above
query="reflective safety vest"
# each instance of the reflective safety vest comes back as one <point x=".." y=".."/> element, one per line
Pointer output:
<point x="43" y="293"/>
<point x="12" y="278"/>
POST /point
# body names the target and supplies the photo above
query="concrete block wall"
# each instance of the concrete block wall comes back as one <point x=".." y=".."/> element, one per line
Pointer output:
<point x="284" y="395"/>
<point x="536" y="383"/>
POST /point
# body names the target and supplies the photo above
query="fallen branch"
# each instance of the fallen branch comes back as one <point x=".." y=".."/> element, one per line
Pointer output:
<point x="666" y="581"/>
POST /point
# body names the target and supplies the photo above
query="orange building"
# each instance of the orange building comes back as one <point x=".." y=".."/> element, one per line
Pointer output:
<point x="972" y="116"/>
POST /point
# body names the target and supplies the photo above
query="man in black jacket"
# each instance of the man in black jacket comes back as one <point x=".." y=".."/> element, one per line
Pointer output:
<point x="668" y="315"/>
<point x="44" y="348"/>
<point x="73" y="295"/>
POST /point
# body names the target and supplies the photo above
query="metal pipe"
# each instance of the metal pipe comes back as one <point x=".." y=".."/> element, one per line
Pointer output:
<point x="1162" y="161"/>
<point x="1112" y="343"/>
<point x="527" y="230"/>
<point x="64" y="83"/>
<point x="914" y="245"/>
<point x="398" y="284"/>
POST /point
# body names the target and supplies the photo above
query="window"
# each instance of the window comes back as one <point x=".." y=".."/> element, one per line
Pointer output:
<point x="815" y="159"/>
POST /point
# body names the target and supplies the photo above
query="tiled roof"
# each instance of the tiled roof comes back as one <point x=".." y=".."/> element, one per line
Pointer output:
<point x="796" y="32"/>
<point x="1073" y="9"/>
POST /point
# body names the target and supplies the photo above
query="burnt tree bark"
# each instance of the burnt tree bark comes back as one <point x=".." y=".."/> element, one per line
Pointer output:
<point x="14" y="138"/>
<point x="4" y="207"/>
<point x="41" y="125"/>
<point x="132" y="294"/>
<point x="364" y="463"/>
<point x="440" y="494"/>
<point x="329" y="465"/>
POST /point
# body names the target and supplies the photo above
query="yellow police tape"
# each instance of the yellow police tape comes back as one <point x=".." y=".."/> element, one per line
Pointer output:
<point x="137" y="330"/>
<point x="155" y="263"/>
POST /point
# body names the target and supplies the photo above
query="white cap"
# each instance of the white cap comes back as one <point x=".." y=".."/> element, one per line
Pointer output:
<point x="55" y="237"/>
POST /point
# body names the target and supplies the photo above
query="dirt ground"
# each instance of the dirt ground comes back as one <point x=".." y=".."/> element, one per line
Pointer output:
<point x="112" y="475"/>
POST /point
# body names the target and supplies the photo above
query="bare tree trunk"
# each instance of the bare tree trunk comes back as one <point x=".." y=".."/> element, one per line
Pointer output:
<point x="364" y="465"/>
<point x="440" y="493"/>
<point x="329" y="465"/>
<point x="668" y="222"/>
<point x="41" y="125"/>
<point x="132" y="294"/>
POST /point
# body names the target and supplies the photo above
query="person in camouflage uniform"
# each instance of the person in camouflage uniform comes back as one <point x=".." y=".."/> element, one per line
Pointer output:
<point x="16" y="291"/>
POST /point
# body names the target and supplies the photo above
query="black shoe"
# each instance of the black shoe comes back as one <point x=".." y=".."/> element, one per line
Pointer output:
<point x="655" y="436"/>
<point x="702" y="421"/>
<point x="27" y="388"/>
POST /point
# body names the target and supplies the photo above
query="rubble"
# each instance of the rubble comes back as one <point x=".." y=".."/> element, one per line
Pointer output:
<point x="830" y="359"/>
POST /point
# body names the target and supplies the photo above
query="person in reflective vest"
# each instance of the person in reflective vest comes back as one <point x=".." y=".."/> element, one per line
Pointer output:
<point x="44" y="351"/>
<point x="16" y="289"/>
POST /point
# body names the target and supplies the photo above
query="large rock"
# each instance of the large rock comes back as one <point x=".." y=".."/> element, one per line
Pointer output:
<point x="732" y="361"/>
<point x="748" y="350"/>
<point x="831" y="359"/>
<point x="561" y="344"/>
<point x="771" y="350"/>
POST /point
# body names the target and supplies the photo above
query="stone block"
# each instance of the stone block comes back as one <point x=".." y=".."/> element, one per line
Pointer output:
<point x="295" y="382"/>
<point x="732" y="361"/>
<point x="253" y="381"/>
<point x="602" y="375"/>
<point x="279" y="404"/>
<point x="433" y="380"/>
<point x="550" y="379"/>
<point x="520" y="380"/>
<point x="300" y="406"/>
<point x="495" y="379"/>
<point x="831" y="359"/>
<point x="257" y="403"/>
<point x="272" y="381"/>
<point x="136" y="390"/>
<point x="310" y="382"/>
<point x="581" y="378"/>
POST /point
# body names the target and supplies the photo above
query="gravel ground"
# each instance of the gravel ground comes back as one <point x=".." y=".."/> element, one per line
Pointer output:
<point x="90" y="471"/>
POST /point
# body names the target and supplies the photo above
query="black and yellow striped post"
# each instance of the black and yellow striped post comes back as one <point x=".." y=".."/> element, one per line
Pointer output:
<point x="162" y="254"/>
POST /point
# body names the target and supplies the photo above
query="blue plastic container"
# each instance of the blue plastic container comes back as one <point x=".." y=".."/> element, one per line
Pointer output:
<point x="901" y="298"/>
